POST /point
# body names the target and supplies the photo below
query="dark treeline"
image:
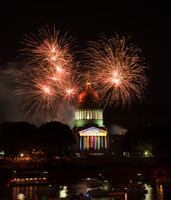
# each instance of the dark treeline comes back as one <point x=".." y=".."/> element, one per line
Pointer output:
<point x="154" y="140"/>
<point x="56" y="139"/>
<point x="49" y="140"/>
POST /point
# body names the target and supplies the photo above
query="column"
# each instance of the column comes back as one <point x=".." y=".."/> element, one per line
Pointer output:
<point x="105" y="142"/>
<point x="90" y="114"/>
<point x="85" y="114"/>
<point x="88" y="143"/>
<point x="80" y="114"/>
<point x="84" y="142"/>
<point x="95" y="142"/>
<point x="98" y="146"/>
<point x="102" y="142"/>
<point x="81" y="143"/>
<point x="93" y="114"/>
<point x="91" y="142"/>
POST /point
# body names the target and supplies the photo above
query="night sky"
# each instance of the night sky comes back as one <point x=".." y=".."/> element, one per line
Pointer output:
<point x="149" y="25"/>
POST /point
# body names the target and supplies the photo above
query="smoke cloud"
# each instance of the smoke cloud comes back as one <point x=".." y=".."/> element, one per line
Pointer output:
<point x="9" y="108"/>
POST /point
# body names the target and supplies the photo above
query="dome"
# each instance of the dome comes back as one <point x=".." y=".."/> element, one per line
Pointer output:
<point x="88" y="98"/>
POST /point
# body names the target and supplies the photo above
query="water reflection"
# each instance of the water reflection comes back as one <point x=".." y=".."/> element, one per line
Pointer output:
<point x="21" y="196"/>
<point x="149" y="194"/>
<point x="159" y="192"/>
<point x="24" y="192"/>
<point x="63" y="192"/>
<point x="155" y="191"/>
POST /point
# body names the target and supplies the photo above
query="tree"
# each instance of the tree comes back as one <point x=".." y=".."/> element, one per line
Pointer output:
<point x="154" y="140"/>
<point x="16" y="137"/>
<point x="55" y="139"/>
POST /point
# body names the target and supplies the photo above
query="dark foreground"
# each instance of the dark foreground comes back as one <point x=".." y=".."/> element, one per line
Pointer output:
<point x="79" y="167"/>
<point x="67" y="172"/>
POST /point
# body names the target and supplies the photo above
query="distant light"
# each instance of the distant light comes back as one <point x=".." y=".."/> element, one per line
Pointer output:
<point x="2" y="153"/>
<point x="21" y="154"/>
<point x="87" y="195"/>
<point x="106" y="187"/>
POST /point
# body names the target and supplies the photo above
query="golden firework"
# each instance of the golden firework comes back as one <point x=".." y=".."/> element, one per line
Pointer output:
<point x="117" y="69"/>
<point x="49" y="77"/>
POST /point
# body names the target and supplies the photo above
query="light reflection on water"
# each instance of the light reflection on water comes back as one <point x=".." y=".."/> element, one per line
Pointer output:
<point x="159" y="191"/>
<point x="155" y="192"/>
<point x="24" y="192"/>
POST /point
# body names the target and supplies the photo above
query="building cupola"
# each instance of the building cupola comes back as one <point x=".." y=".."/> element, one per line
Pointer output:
<point x="88" y="107"/>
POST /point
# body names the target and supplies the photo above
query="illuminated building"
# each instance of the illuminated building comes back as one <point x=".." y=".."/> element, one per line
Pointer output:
<point x="89" y="130"/>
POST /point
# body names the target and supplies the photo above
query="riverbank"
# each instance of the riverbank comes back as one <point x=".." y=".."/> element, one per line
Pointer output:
<point x="81" y="167"/>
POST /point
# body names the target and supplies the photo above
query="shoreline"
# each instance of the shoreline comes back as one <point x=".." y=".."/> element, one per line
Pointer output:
<point x="83" y="167"/>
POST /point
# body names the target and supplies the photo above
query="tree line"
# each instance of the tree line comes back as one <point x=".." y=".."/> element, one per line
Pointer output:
<point x="56" y="139"/>
<point x="49" y="140"/>
<point x="148" y="140"/>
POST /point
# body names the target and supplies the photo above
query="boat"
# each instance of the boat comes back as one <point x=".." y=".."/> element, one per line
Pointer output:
<point x="93" y="184"/>
<point x="166" y="181"/>
<point x="26" y="178"/>
<point x="99" y="178"/>
<point x="97" y="192"/>
<point x="136" y="186"/>
<point x="135" y="191"/>
<point x="44" y="189"/>
<point x="75" y="196"/>
<point x="116" y="192"/>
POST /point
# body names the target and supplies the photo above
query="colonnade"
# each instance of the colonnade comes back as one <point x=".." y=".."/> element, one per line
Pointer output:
<point x="93" y="142"/>
<point x="88" y="114"/>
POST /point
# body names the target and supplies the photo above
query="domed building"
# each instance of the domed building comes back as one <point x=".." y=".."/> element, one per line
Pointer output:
<point x="89" y="130"/>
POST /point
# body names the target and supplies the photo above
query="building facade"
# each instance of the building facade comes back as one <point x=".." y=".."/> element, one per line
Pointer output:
<point x="89" y="130"/>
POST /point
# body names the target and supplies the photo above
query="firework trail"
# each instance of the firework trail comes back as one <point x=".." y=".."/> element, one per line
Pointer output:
<point x="49" y="80"/>
<point x="117" y="70"/>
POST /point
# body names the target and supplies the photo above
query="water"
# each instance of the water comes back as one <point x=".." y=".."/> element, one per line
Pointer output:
<point x="155" y="191"/>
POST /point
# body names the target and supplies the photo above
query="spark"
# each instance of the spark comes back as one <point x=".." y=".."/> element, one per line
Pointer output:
<point x="46" y="89"/>
<point x="116" y="81"/>
<point x="72" y="87"/>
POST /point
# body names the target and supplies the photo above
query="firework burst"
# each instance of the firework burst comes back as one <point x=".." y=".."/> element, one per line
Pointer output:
<point x="47" y="49"/>
<point x="117" y="70"/>
<point x="36" y="92"/>
<point x="49" y="79"/>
